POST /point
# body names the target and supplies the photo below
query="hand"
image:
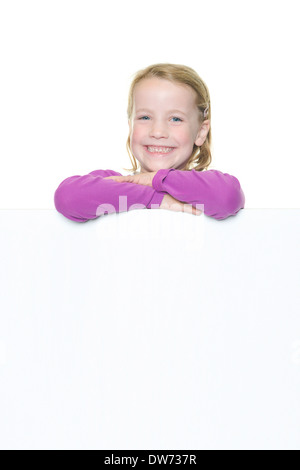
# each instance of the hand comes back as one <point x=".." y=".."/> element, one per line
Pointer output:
<point x="141" y="178"/>
<point x="172" y="204"/>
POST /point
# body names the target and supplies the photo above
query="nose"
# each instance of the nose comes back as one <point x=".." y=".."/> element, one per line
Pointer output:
<point x="158" y="130"/>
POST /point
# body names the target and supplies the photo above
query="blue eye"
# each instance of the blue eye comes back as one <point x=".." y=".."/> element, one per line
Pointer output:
<point x="141" y="118"/>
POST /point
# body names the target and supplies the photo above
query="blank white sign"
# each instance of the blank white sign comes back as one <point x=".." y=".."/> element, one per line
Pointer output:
<point x="150" y="330"/>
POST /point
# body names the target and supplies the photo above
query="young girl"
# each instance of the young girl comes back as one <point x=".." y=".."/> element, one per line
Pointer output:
<point x="169" y="134"/>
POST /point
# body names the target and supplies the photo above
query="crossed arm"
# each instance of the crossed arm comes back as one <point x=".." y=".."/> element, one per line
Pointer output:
<point x="81" y="198"/>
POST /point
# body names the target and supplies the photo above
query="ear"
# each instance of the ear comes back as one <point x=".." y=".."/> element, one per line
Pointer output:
<point x="202" y="134"/>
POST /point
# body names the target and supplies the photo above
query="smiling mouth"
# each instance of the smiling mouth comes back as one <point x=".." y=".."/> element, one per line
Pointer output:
<point x="159" y="150"/>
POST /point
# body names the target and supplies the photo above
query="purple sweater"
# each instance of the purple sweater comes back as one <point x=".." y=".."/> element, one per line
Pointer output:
<point x="82" y="198"/>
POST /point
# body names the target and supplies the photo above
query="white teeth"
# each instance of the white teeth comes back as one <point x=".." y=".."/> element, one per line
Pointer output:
<point x="159" y="149"/>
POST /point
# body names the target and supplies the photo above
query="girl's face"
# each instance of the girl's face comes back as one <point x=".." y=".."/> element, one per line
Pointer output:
<point x="166" y="119"/>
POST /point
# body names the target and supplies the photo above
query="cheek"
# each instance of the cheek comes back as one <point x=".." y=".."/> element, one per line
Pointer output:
<point x="137" y="134"/>
<point x="183" y="136"/>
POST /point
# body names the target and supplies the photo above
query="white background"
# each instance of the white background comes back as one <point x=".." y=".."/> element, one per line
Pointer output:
<point x="66" y="67"/>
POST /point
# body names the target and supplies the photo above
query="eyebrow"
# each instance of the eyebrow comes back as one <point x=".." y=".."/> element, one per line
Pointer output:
<point x="171" y="111"/>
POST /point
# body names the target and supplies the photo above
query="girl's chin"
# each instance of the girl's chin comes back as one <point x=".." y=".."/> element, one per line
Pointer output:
<point x="155" y="167"/>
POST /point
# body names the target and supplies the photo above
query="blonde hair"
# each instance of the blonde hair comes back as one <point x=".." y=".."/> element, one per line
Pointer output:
<point x="201" y="157"/>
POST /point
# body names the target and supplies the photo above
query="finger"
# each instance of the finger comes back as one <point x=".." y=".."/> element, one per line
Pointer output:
<point x="180" y="207"/>
<point x="191" y="210"/>
<point x="196" y="211"/>
<point x="115" y="178"/>
<point x="123" y="178"/>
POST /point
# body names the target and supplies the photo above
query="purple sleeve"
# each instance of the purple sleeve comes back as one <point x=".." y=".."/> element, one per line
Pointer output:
<point x="220" y="193"/>
<point x="81" y="198"/>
